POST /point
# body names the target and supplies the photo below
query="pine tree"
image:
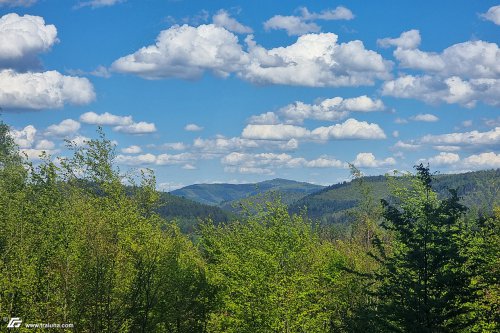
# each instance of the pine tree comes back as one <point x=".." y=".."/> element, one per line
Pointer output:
<point x="424" y="284"/>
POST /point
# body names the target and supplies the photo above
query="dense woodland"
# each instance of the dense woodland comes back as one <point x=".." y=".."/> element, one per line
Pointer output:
<point x="77" y="246"/>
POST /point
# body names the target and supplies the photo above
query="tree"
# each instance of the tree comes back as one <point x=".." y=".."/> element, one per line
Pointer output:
<point x="424" y="284"/>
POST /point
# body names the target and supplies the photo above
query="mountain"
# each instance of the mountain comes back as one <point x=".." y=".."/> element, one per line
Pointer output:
<point x="188" y="213"/>
<point x="225" y="194"/>
<point x="479" y="190"/>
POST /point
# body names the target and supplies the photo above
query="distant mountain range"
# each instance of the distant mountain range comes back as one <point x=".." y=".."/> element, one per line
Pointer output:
<point x="480" y="189"/>
<point x="224" y="195"/>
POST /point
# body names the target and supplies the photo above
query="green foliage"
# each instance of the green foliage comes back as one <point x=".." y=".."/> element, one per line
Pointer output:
<point x="274" y="274"/>
<point x="78" y="246"/>
<point x="424" y="286"/>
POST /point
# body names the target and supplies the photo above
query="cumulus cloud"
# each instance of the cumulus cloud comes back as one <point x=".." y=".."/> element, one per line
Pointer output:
<point x="132" y="150"/>
<point x="141" y="127"/>
<point x="64" y="128"/>
<point x="368" y="160"/>
<point x="193" y="128"/>
<point x="274" y="132"/>
<point x="98" y="3"/>
<point x="186" y="52"/>
<point x="425" y="117"/>
<point x="25" y="137"/>
<point x="493" y="15"/>
<point x="339" y="13"/>
<point x="151" y="159"/>
<point x="434" y="90"/>
<point x="222" y="144"/>
<point x="486" y="160"/>
<point x="105" y="119"/>
<point x="17" y="3"/>
<point x="463" y="73"/>
<point x="266" y="162"/>
<point x="22" y="38"/>
<point x="268" y="118"/>
<point x="47" y="90"/>
<point x="473" y="138"/>
<point x="350" y="129"/>
<point x="331" y="109"/>
<point x="293" y="25"/>
<point x="444" y="158"/>
<point x="407" y="40"/>
<point x="315" y="60"/>
<point x="223" y="19"/>
<point x="298" y="25"/>
<point x="173" y="146"/>
<point x="406" y="146"/>
<point x="482" y="161"/>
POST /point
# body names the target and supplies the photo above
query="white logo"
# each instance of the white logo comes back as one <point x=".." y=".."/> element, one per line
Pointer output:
<point x="14" y="322"/>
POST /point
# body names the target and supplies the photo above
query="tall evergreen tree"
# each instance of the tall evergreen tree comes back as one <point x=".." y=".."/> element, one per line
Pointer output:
<point x="424" y="284"/>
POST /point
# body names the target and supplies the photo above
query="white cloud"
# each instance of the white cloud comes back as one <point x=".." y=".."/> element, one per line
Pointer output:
<point x="368" y="160"/>
<point x="350" y="129"/>
<point x="293" y="25"/>
<point x="406" y="146"/>
<point x="105" y="119"/>
<point x="64" y="128"/>
<point x="141" y="127"/>
<point x="339" y="13"/>
<point x="151" y="159"/>
<point x="132" y="150"/>
<point x="24" y="138"/>
<point x="493" y="15"/>
<point x="173" y="146"/>
<point x="471" y="59"/>
<point x="188" y="167"/>
<point x="482" y="161"/>
<point x="47" y="90"/>
<point x="17" y="3"/>
<point x="98" y="3"/>
<point x="80" y="140"/>
<point x="444" y="158"/>
<point x="274" y="132"/>
<point x="45" y="145"/>
<point x="249" y="170"/>
<point x="451" y="90"/>
<point x="447" y="148"/>
<point x="223" y="19"/>
<point x="222" y="144"/>
<point x="395" y="134"/>
<point x="315" y="60"/>
<point x="298" y="25"/>
<point x="473" y="138"/>
<point x="186" y="52"/>
<point x="192" y="128"/>
<point x="425" y="117"/>
<point x="22" y="38"/>
<point x="407" y="40"/>
<point x="331" y="109"/>
<point x="34" y="154"/>
<point x="268" y="118"/>
<point x="266" y="162"/>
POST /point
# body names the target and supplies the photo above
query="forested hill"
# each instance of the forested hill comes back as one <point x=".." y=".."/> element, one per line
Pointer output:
<point x="188" y="213"/>
<point x="478" y="190"/>
<point x="223" y="194"/>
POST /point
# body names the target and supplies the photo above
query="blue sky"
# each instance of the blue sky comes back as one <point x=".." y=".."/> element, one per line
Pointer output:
<point x="227" y="91"/>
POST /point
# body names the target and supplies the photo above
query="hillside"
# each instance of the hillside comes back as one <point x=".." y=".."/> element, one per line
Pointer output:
<point x="479" y="190"/>
<point x="188" y="213"/>
<point x="226" y="194"/>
